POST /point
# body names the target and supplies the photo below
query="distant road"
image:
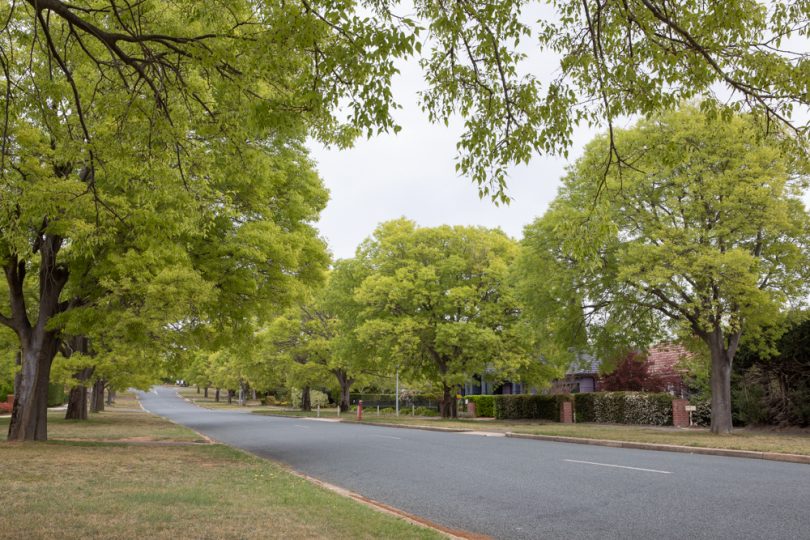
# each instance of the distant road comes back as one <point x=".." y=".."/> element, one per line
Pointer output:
<point x="514" y="488"/>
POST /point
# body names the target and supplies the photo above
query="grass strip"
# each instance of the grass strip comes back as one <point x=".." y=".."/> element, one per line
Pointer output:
<point x="99" y="484"/>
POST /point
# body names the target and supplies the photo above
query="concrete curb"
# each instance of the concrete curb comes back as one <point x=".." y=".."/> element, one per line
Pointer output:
<point x="404" y="426"/>
<point x="771" y="456"/>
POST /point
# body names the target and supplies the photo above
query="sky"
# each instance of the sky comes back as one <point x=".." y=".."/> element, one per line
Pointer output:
<point x="412" y="174"/>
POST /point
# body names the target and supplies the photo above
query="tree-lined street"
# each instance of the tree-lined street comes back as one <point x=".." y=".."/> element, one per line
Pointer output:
<point x="512" y="488"/>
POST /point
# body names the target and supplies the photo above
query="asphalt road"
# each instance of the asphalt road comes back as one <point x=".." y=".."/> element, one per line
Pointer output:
<point x="513" y="488"/>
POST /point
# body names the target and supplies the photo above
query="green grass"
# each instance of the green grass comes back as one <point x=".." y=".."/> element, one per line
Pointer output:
<point x="89" y="482"/>
<point x="753" y="439"/>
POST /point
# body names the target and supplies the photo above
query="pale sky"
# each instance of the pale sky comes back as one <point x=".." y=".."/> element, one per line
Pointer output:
<point x="412" y="174"/>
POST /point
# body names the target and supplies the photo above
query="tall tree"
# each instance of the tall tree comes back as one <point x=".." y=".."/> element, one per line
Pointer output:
<point x="706" y="236"/>
<point x="616" y="58"/>
<point x="438" y="304"/>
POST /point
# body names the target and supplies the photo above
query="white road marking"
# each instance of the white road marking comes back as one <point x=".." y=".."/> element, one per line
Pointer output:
<point x="299" y="425"/>
<point x="154" y="391"/>
<point x="387" y="437"/>
<point x="617" y="466"/>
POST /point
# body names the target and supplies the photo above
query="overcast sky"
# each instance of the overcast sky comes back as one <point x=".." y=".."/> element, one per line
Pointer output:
<point x="412" y="174"/>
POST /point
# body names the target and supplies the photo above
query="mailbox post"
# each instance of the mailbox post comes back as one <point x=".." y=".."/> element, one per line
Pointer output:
<point x="690" y="409"/>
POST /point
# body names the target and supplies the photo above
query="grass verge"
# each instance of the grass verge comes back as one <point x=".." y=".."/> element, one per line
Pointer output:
<point x="89" y="481"/>
<point x="752" y="439"/>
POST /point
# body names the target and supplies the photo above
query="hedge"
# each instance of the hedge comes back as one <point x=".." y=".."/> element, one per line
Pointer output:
<point x="56" y="394"/>
<point x="516" y="406"/>
<point x="624" y="408"/>
<point x="484" y="405"/>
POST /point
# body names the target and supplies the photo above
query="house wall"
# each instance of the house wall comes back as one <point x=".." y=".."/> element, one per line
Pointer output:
<point x="662" y="360"/>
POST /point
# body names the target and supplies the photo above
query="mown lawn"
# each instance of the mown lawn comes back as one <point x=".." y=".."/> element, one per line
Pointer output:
<point x="754" y="439"/>
<point x="119" y="476"/>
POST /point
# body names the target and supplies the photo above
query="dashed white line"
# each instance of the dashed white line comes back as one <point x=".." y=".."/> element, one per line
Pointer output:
<point x="299" y="425"/>
<point x="617" y="466"/>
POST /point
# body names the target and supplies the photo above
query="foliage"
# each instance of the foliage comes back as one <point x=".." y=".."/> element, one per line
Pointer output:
<point x="632" y="374"/>
<point x="437" y="303"/>
<point x="517" y="406"/>
<point x="624" y="408"/>
<point x="316" y="397"/>
<point x="773" y="387"/>
<point x="56" y="395"/>
<point x="425" y="411"/>
<point x="484" y="405"/>
<point x="705" y="235"/>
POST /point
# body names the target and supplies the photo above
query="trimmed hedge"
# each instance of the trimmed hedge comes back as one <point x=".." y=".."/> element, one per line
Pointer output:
<point x="56" y="395"/>
<point x="484" y="405"/>
<point x="517" y="406"/>
<point x="624" y="408"/>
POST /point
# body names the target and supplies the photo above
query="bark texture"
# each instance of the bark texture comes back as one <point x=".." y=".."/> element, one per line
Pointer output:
<point x="77" y="399"/>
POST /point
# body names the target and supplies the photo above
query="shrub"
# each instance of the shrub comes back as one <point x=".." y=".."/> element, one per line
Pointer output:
<point x="316" y="397"/>
<point x="56" y="395"/>
<point x="484" y="405"/>
<point x="517" y="406"/>
<point x="624" y="408"/>
<point x="584" y="407"/>
<point x="703" y="412"/>
<point x="425" y="411"/>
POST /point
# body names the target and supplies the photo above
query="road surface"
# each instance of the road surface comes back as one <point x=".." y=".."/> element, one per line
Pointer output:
<point x="514" y="488"/>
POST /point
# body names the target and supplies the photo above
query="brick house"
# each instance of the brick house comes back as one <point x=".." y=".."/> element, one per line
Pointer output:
<point x="662" y="362"/>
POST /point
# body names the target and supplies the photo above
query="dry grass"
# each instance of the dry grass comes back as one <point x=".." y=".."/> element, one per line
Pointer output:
<point x="190" y="393"/>
<point x="758" y="440"/>
<point x="76" y="488"/>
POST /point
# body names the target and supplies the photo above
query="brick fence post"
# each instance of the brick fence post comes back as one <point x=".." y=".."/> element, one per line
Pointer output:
<point x="680" y="418"/>
<point x="471" y="409"/>
<point x="567" y="412"/>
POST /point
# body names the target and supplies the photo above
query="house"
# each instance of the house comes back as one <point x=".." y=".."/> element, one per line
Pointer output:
<point x="663" y="361"/>
<point x="581" y="377"/>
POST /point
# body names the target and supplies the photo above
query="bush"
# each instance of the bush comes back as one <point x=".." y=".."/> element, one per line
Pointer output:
<point x="56" y="395"/>
<point x="703" y="412"/>
<point x="484" y="405"/>
<point x="624" y="408"/>
<point x="316" y="397"/>
<point x="517" y="406"/>
<point x="584" y="407"/>
<point x="425" y="411"/>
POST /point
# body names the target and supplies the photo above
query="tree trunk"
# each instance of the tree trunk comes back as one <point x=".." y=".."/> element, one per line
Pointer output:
<point x="306" y="403"/>
<point x="345" y="389"/>
<point x="447" y="405"/>
<point x="216" y="395"/>
<point x="242" y="394"/>
<point x="230" y="397"/>
<point x="198" y="388"/>
<point x="110" y="396"/>
<point x="97" y="397"/>
<point x="77" y="399"/>
<point x="39" y="342"/>
<point x="29" y="417"/>
<point x="205" y="394"/>
<point x="720" y="384"/>
<point x="77" y="403"/>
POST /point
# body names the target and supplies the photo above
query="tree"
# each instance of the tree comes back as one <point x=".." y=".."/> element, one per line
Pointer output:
<point x="437" y="303"/>
<point x="705" y="236"/>
<point x="117" y="242"/>
<point x="305" y="57"/>
<point x="633" y="374"/>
